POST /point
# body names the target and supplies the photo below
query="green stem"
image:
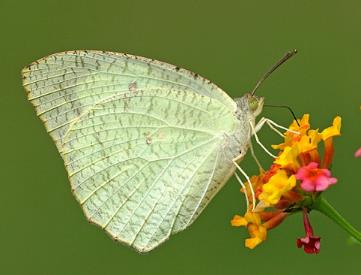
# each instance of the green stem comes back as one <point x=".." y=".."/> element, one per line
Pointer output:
<point x="322" y="205"/>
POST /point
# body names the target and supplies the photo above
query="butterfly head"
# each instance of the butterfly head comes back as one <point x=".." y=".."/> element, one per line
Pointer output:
<point x="255" y="104"/>
<point x="249" y="106"/>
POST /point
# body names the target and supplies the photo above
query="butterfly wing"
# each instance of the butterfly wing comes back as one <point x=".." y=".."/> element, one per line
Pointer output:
<point x="145" y="144"/>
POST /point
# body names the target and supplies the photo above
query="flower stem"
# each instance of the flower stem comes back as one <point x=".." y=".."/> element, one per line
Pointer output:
<point x="322" y="205"/>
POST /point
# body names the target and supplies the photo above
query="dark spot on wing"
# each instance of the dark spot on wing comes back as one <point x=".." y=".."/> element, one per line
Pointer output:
<point x="133" y="87"/>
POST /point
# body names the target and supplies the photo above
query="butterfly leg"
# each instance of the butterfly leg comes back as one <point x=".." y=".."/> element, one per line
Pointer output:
<point x="273" y="126"/>
<point x="254" y="157"/>
<point x="243" y="186"/>
<point x="254" y="133"/>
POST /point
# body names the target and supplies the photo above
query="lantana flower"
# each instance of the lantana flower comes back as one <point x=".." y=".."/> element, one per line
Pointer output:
<point x="276" y="187"/>
<point x="310" y="243"/>
<point x="294" y="183"/>
<point x="313" y="178"/>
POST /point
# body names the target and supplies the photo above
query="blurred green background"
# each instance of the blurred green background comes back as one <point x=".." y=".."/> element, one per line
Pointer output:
<point x="42" y="227"/>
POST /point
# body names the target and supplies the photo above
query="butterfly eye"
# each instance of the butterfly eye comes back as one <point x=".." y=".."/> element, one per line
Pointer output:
<point x="253" y="104"/>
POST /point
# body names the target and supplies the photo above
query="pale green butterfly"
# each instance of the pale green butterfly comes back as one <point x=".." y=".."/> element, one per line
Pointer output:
<point x="146" y="144"/>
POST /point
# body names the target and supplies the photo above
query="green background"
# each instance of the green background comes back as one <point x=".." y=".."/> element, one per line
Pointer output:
<point x="42" y="227"/>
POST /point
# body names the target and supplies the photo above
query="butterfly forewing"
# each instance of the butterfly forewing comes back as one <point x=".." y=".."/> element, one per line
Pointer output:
<point x="146" y="145"/>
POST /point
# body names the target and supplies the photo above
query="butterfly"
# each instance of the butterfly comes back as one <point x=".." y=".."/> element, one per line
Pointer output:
<point x="146" y="144"/>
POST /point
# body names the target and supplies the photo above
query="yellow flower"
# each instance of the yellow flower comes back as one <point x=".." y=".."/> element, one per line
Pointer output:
<point x="332" y="131"/>
<point x="306" y="141"/>
<point x="238" y="221"/>
<point x="304" y="124"/>
<point x="288" y="157"/>
<point x="258" y="234"/>
<point x="256" y="230"/>
<point x="309" y="142"/>
<point x="278" y="185"/>
<point x="290" y="137"/>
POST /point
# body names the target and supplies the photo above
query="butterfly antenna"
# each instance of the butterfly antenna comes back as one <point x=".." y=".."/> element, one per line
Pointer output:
<point x="287" y="56"/>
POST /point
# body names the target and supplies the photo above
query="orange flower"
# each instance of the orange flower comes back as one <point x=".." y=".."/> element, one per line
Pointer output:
<point x="327" y="136"/>
<point x="288" y="158"/>
<point x="332" y="131"/>
<point x="258" y="224"/>
<point x="298" y="130"/>
<point x="309" y="142"/>
<point x="256" y="230"/>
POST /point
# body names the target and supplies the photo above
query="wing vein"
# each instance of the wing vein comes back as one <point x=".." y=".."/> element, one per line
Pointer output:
<point x="205" y="189"/>
<point x="175" y="200"/>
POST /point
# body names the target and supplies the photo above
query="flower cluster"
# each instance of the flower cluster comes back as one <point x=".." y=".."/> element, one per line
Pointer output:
<point x="298" y="175"/>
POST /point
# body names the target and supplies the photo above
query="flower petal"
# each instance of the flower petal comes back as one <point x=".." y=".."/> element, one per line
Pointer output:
<point x="314" y="179"/>
<point x="323" y="182"/>
<point x="238" y="221"/>
<point x="252" y="242"/>
<point x="278" y="185"/>
<point x="311" y="244"/>
<point x="332" y="131"/>
<point x="288" y="158"/>
<point x="358" y="153"/>
<point x="258" y="234"/>
<point x="308" y="185"/>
